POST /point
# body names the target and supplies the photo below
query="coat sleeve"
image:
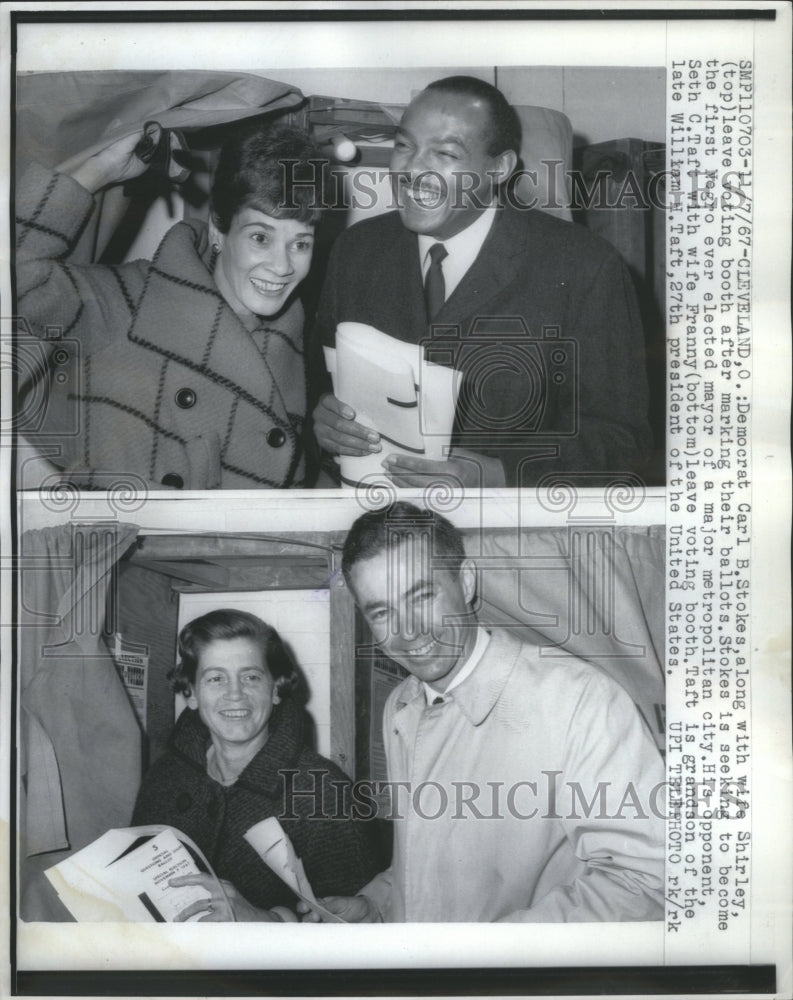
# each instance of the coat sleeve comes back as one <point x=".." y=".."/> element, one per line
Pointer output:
<point x="617" y="828"/>
<point x="378" y="892"/>
<point x="56" y="298"/>
<point x="599" y="420"/>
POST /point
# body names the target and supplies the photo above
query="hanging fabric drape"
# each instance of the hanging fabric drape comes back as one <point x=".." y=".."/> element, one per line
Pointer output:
<point x="588" y="591"/>
<point x="81" y="745"/>
<point x="60" y="115"/>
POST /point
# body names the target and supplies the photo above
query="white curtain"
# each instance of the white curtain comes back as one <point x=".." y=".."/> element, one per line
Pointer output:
<point x="80" y="741"/>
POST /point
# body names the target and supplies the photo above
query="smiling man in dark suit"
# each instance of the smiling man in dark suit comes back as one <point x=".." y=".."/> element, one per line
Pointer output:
<point x="539" y="314"/>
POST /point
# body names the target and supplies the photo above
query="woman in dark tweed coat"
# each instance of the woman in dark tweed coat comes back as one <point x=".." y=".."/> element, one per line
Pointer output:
<point x="186" y="371"/>
<point x="236" y="757"/>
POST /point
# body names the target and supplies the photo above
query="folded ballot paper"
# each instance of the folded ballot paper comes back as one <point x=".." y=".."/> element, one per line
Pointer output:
<point x="407" y="400"/>
<point x="276" y="850"/>
<point x="123" y="876"/>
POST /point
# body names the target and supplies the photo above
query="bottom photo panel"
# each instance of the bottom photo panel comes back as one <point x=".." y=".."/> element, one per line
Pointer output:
<point x="384" y="712"/>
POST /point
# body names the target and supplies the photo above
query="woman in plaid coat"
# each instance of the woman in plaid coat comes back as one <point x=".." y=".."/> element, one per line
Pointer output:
<point x="186" y="371"/>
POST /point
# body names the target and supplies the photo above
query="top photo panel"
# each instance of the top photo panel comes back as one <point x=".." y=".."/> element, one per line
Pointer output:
<point x="305" y="278"/>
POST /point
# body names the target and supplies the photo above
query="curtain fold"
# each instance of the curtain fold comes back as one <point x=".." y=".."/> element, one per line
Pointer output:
<point x="62" y="114"/>
<point x="595" y="592"/>
<point x="80" y="740"/>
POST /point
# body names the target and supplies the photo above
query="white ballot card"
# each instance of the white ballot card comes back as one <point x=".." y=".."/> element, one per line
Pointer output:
<point x="277" y="851"/>
<point x="408" y="401"/>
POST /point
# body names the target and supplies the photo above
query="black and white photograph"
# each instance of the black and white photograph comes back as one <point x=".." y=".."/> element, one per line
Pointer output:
<point x="395" y="441"/>
<point x="451" y="722"/>
<point x="171" y="341"/>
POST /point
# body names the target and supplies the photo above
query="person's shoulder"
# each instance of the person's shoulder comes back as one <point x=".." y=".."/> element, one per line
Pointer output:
<point x="186" y="744"/>
<point x="566" y="675"/>
<point x="310" y="761"/>
<point x="558" y="236"/>
<point x="187" y="233"/>
<point x="165" y="776"/>
<point x="373" y="232"/>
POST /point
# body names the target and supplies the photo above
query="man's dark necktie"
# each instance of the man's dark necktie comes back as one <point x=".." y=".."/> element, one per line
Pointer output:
<point x="434" y="285"/>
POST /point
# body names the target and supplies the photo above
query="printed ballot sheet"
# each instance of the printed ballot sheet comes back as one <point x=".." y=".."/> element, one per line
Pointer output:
<point x="125" y="875"/>
<point x="393" y="390"/>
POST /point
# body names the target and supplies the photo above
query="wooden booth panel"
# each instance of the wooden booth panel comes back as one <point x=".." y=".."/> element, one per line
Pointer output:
<point x="306" y="595"/>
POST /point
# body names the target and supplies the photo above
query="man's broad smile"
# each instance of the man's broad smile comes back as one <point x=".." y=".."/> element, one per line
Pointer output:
<point x="419" y="616"/>
<point x="421" y="650"/>
<point x="422" y="192"/>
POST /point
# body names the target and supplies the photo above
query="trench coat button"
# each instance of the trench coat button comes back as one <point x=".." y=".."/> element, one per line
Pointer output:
<point x="185" y="398"/>
<point x="276" y="438"/>
<point x="173" y="479"/>
<point x="183" y="801"/>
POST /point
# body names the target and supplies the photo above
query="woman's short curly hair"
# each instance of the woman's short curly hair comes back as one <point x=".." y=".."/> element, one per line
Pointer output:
<point x="229" y="623"/>
<point x="276" y="169"/>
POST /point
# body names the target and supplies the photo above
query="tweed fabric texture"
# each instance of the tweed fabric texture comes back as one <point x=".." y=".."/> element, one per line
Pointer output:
<point x="157" y="376"/>
<point x="338" y="854"/>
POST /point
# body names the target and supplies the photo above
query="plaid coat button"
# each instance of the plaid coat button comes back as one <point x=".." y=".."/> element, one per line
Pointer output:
<point x="276" y="438"/>
<point x="173" y="479"/>
<point x="185" y="398"/>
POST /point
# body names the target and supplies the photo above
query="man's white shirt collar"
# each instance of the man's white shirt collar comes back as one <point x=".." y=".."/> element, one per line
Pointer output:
<point x="462" y="249"/>
<point x="482" y="639"/>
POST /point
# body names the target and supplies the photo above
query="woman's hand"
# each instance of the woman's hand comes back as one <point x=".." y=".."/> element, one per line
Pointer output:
<point x="232" y="906"/>
<point x="337" y="432"/>
<point x="114" y="164"/>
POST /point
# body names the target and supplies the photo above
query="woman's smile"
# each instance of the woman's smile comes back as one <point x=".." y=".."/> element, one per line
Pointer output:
<point x="261" y="260"/>
<point x="234" y="693"/>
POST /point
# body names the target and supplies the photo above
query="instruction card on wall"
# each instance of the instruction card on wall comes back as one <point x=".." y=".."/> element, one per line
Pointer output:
<point x="132" y="661"/>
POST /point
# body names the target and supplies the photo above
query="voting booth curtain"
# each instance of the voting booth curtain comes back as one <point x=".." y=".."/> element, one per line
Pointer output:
<point x="585" y="590"/>
<point x="60" y="115"/>
<point x="80" y="742"/>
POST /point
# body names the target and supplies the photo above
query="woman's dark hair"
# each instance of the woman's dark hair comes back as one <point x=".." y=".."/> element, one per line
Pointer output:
<point x="275" y="169"/>
<point x="505" y="128"/>
<point x="228" y="623"/>
<point x="390" y="526"/>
